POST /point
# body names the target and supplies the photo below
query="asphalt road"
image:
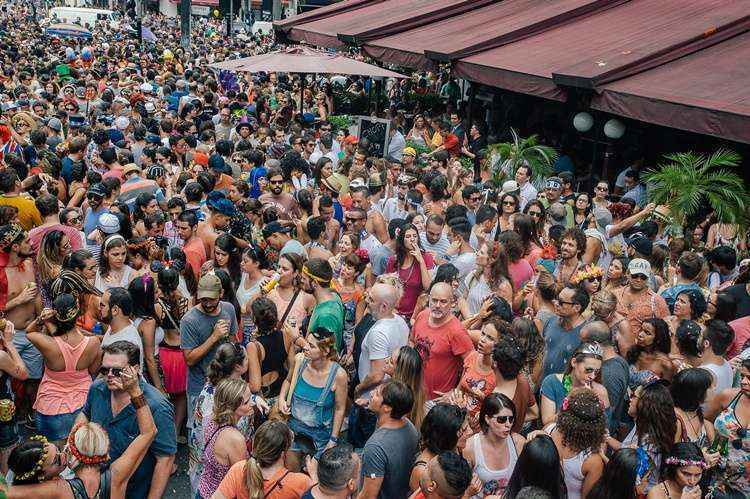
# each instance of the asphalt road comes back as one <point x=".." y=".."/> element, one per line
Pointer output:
<point x="179" y="484"/>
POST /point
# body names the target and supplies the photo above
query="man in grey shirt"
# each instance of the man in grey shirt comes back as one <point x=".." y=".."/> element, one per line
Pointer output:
<point x="389" y="453"/>
<point x="202" y="329"/>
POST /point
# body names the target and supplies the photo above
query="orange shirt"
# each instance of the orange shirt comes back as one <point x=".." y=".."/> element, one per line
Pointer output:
<point x="290" y="486"/>
<point x="195" y="253"/>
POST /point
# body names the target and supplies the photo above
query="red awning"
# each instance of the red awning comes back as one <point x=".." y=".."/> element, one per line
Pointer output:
<point x="355" y="21"/>
<point x="508" y="20"/>
<point x="705" y="92"/>
<point x="606" y="42"/>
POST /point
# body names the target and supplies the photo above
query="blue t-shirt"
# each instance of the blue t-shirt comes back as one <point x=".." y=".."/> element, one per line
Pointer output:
<point x="66" y="171"/>
<point x="560" y="345"/>
<point x="123" y="428"/>
<point x="195" y="328"/>
<point x="91" y="221"/>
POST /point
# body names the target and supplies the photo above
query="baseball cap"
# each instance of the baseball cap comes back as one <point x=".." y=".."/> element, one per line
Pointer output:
<point x="357" y="182"/>
<point x="553" y="183"/>
<point x="152" y="138"/>
<point x="149" y="107"/>
<point x="223" y="206"/>
<point x="510" y="187"/>
<point x="639" y="266"/>
<point x="108" y="223"/>
<point x="274" y="228"/>
<point x="55" y="124"/>
<point x="97" y="190"/>
<point x="410" y="151"/>
<point x="122" y="122"/>
<point x="209" y="286"/>
<point x="641" y="244"/>
<point x="146" y="87"/>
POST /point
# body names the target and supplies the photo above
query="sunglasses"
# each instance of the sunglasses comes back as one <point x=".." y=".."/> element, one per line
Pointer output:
<point x="74" y="220"/>
<point x="275" y="182"/>
<point x="563" y="302"/>
<point x="105" y="371"/>
<point x="591" y="370"/>
<point x="509" y="203"/>
<point x="504" y="419"/>
<point x="535" y="214"/>
<point x="353" y="219"/>
<point x="640" y="277"/>
<point x="475" y="198"/>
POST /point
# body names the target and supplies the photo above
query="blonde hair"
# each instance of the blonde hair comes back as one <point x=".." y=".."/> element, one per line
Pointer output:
<point x="603" y="303"/>
<point x="270" y="442"/>
<point x="91" y="441"/>
<point x="227" y="398"/>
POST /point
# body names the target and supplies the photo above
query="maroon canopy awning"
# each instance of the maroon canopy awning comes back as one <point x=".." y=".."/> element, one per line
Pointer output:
<point x="706" y="92"/>
<point x="498" y="23"/>
<point x="604" y="42"/>
<point x="356" y="21"/>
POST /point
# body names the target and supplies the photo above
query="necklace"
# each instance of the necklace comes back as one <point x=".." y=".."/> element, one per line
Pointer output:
<point x="411" y="271"/>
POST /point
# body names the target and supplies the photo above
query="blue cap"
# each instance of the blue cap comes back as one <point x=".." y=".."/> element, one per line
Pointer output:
<point x="152" y="138"/>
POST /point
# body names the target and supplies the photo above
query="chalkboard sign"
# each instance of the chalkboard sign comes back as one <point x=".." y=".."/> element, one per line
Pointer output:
<point x="376" y="131"/>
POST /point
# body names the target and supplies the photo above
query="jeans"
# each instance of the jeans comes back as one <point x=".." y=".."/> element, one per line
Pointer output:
<point x="55" y="427"/>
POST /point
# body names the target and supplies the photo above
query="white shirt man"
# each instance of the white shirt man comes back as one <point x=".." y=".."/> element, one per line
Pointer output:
<point x="527" y="191"/>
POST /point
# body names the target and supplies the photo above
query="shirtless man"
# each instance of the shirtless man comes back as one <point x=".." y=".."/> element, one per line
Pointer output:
<point x="220" y="212"/>
<point x="333" y="226"/>
<point x="375" y="224"/>
<point x="23" y="303"/>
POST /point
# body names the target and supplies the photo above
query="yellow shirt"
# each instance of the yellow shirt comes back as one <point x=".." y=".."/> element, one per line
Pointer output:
<point x="28" y="215"/>
<point x="437" y="140"/>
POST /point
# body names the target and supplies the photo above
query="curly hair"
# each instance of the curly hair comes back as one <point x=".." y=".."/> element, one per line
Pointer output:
<point x="581" y="420"/>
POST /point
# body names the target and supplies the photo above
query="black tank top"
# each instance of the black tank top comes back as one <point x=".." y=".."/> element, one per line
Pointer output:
<point x="275" y="356"/>
<point x="79" y="490"/>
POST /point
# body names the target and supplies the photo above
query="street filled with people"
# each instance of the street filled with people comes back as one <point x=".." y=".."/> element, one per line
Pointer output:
<point x="216" y="265"/>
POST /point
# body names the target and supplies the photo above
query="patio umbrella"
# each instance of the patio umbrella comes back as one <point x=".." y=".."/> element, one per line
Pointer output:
<point x="68" y="30"/>
<point x="303" y="60"/>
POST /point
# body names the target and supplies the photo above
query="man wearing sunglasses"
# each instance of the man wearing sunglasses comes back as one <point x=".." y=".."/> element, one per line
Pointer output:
<point x="284" y="202"/>
<point x="562" y="333"/>
<point x="637" y="301"/>
<point x="114" y="408"/>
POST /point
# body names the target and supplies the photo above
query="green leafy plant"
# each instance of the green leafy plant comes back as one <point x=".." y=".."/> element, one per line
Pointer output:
<point x="418" y="147"/>
<point x="689" y="181"/>
<point x="505" y="157"/>
<point x="340" y="121"/>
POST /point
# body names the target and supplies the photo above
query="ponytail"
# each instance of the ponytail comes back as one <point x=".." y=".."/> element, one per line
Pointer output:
<point x="254" y="478"/>
<point x="270" y="442"/>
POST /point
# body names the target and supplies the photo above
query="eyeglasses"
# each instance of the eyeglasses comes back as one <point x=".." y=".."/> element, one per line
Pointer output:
<point x="504" y="419"/>
<point x="116" y="371"/>
<point x="603" y="189"/>
<point x="74" y="220"/>
<point x="563" y="302"/>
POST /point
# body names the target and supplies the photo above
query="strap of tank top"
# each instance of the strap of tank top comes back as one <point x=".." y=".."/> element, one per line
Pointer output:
<point x="684" y="437"/>
<point x="77" y="488"/>
<point x="329" y="383"/>
<point x="67" y="351"/>
<point x="105" y="484"/>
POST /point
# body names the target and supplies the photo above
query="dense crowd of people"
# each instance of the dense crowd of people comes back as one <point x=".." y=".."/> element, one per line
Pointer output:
<point x="198" y="259"/>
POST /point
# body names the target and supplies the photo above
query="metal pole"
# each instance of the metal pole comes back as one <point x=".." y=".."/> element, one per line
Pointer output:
<point x="276" y="11"/>
<point x="229" y="19"/>
<point x="185" y="24"/>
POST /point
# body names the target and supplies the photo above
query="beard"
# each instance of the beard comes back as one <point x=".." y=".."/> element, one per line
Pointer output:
<point x="107" y="319"/>
<point x="276" y="190"/>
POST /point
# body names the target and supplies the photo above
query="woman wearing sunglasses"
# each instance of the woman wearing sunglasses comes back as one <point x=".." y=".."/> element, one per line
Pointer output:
<point x="494" y="451"/>
<point x="70" y="358"/>
<point x="582" y="371"/>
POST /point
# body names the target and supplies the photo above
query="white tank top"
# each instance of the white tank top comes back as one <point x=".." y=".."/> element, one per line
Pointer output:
<point x="243" y="295"/>
<point x="572" y="469"/>
<point x="103" y="286"/>
<point x="494" y="481"/>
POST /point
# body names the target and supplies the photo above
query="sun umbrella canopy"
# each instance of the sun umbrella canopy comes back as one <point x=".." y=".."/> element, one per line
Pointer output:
<point x="304" y="61"/>
<point x="68" y="30"/>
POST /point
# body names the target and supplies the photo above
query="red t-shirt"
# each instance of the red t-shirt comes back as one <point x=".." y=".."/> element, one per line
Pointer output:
<point x="441" y="350"/>
<point x="741" y="328"/>
<point x="452" y="144"/>
<point x="37" y="234"/>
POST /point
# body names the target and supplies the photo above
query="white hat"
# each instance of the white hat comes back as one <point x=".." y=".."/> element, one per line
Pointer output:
<point x="122" y="122"/>
<point x="510" y="187"/>
<point x="150" y="108"/>
<point x="639" y="266"/>
<point x="108" y="223"/>
<point x="146" y="87"/>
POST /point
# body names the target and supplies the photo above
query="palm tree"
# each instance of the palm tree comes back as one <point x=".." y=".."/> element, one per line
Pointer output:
<point x="504" y="158"/>
<point x="690" y="181"/>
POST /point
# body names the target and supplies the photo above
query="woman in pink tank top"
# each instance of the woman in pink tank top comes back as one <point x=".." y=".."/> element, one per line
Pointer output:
<point x="70" y="359"/>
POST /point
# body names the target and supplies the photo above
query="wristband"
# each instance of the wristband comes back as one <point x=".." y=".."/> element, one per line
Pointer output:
<point x="333" y="439"/>
<point x="139" y="401"/>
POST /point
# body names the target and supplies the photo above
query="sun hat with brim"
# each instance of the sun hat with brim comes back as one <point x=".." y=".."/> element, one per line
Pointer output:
<point x="409" y="151"/>
<point x="130" y="168"/>
<point x="331" y="184"/>
<point x="209" y="287"/>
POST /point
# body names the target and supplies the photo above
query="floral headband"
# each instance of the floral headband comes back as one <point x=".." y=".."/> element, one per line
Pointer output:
<point x="73" y="449"/>
<point x="587" y="272"/>
<point x="11" y="235"/>
<point x="566" y="404"/>
<point x="685" y="462"/>
<point x="39" y="465"/>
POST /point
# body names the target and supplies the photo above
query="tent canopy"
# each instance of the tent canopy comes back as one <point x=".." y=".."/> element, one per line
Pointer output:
<point x="304" y="61"/>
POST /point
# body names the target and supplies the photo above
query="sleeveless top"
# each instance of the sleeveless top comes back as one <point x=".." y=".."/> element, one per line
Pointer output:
<point x="127" y="275"/>
<point x="79" y="489"/>
<point x="213" y="471"/>
<point x="275" y="356"/>
<point x="158" y="334"/>
<point x="494" y="481"/>
<point x="62" y="392"/>
<point x="728" y="426"/>
<point x="572" y="469"/>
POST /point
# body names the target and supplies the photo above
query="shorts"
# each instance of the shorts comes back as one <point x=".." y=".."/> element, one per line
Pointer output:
<point x="8" y="434"/>
<point x="55" y="427"/>
<point x="31" y="357"/>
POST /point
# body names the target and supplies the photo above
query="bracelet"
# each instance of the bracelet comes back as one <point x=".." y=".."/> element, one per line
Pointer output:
<point x="139" y="401"/>
<point x="333" y="439"/>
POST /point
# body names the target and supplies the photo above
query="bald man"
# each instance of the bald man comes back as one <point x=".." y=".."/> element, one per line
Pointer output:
<point x="389" y="333"/>
<point x="441" y="341"/>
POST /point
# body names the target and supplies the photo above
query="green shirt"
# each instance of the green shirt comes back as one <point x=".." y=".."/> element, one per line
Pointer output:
<point x="330" y="316"/>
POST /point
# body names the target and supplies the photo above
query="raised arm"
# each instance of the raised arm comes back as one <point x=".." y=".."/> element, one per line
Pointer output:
<point x="124" y="466"/>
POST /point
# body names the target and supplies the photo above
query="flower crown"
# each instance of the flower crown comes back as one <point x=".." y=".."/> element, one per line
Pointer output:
<point x="685" y="462"/>
<point x="587" y="272"/>
<point x="73" y="449"/>
<point x="39" y="465"/>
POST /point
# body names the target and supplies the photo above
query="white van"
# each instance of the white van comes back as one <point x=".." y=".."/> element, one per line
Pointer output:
<point x="83" y="16"/>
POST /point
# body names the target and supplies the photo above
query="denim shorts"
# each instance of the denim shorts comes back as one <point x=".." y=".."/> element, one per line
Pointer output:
<point x="8" y="434"/>
<point x="29" y="354"/>
<point x="55" y="427"/>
